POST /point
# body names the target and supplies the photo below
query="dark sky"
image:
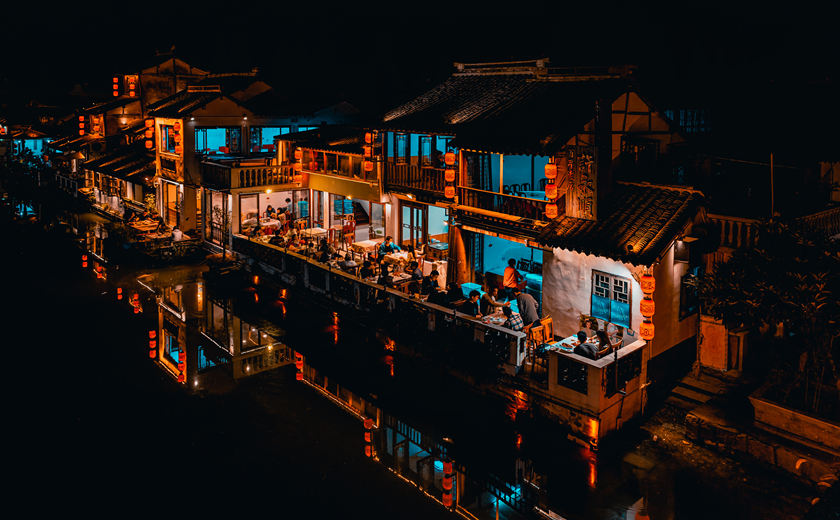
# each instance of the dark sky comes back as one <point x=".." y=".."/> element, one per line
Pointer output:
<point x="381" y="53"/>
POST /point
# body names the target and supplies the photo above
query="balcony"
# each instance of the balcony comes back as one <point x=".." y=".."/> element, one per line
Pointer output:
<point x="236" y="175"/>
<point x="735" y="232"/>
<point x="412" y="177"/>
<point x="499" y="203"/>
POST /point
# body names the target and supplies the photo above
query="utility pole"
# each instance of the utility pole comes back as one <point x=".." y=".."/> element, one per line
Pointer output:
<point x="772" y="189"/>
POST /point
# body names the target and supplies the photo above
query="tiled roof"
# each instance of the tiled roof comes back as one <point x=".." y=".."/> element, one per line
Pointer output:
<point x="68" y="143"/>
<point x="125" y="162"/>
<point x="109" y="105"/>
<point x="635" y="224"/>
<point x="331" y="138"/>
<point x="181" y="104"/>
<point x="505" y="113"/>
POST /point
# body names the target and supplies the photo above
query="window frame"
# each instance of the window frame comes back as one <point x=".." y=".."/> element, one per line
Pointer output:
<point x="612" y="278"/>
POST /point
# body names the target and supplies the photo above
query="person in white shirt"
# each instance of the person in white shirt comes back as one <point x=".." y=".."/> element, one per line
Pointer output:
<point x="177" y="234"/>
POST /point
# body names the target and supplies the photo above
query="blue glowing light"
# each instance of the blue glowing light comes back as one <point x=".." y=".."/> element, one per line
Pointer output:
<point x="438" y="465"/>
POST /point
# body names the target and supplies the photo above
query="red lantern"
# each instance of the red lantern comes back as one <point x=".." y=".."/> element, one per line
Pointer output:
<point x="551" y="210"/>
<point x="152" y="343"/>
<point x="298" y="166"/>
<point x="368" y="151"/>
<point x="550" y="171"/>
<point x="84" y="264"/>
<point x="368" y="423"/>
<point x="178" y="149"/>
<point x="299" y="364"/>
<point x="137" y="310"/>
<point x="181" y="378"/>
<point x="176" y="126"/>
<point x="368" y="166"/>
<point x="449" y="175"/>
<point x="646" y="330"/>
<point x="116" y="80"/>
<point x="149" y="145"/>
<point x="81" y="132"/>
<point x="131" y="93"/>
<point x="178" y="138"/>
<point x="81" y="118"/>
<point x="551" y="191"/>
<point x="447" y="483"/>
<point x="149" y="133"/>
<point x="368" y="137"/>
<point x="367" y="436"/>
<point x="299" y="376"/>
<point x="368" y="451"/>
<point x="152" y="354"/>
<point x="297" y="178"/>
<point x="449" y="158"/>
<point x="152" y="334"/>
<point x="150" y="123"/>
<point x="447" y="467"/>
<point x="81" y="125"/>
<point x="647" y="307"/>
<point x="298" y="154"/>
<point x="447" y="500"/>
<point x="116" y="93"/>
<point x="449" y="192"/>
<point x="648" y="283"/>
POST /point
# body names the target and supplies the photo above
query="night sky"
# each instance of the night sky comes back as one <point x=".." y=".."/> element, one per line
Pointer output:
<point x="378" y="54"/>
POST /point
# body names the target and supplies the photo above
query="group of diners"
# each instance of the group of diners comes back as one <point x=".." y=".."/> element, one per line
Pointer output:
<point x="149" y="225"/>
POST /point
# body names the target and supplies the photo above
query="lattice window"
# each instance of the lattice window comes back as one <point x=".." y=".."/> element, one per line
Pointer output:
<point x="611" y="298"/>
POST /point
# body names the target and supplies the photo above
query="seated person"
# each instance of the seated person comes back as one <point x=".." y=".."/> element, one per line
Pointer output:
<point x="269" y="211"/>
<point x="385" y="277"/>
<point x="488" y="304"/>
<point x="430" y="285"/>
<point x="177" y="234"/>
<point x="367" y="270"/>
<point x="348" y="264"/>
<point x="527" y="307"/>
<point x="333" y="260"/>
<point x="513" y="321"/>
<point x="388" y="247"/>
<point x="276" y="240"/>
<point x="454" y="292"/>
<point x="413" y="289"/>
<point x="604" y="343"/>
<point x="585" y="349"/>
<point x="470" y="306"/>
<point x="414" y="270"/>
<point x="590" y="327"/>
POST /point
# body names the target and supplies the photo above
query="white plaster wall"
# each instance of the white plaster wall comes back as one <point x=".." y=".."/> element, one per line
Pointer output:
<point x="567" y="287"/>
<point x="670" y="330"/>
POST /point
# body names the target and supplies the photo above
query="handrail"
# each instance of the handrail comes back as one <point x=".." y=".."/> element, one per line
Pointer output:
<point x="228" y="176"/>
<point x="501" y="203"/>
<point x="412" y="176"/>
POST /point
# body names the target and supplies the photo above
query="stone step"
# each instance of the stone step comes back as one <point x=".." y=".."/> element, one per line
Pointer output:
<point x="707" y="385"/>
<point x="690" y="395"/>
<point x="677" y="402"/>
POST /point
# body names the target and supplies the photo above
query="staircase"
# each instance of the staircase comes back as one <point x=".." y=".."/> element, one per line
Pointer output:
<point x="693" y="391"/>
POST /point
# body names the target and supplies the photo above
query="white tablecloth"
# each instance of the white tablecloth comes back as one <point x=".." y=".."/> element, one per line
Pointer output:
<point x="440" y="266"/>
<point x="314" y="232"/>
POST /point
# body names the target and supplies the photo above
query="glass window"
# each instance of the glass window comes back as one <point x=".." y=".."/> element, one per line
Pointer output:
<point x="377" y="220"/>
<point x="248" y="213"/>
<point x="401" y="147"/>
<point x="251" y="337"/>
<point x="611" y="298"/>
<point x="426" y="150"/>
<point x="167" y="138"/>
<point x="317" y="208"/>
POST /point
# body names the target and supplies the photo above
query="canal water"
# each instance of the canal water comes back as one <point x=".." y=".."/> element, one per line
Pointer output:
<point x="102" y="425"/>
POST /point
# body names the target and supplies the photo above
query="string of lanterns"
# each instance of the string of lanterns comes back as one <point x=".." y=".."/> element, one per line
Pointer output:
<point x="298" y="176"/>
<point x="367" y="150"/>
<point x="647" y="306"/>
<point x="182" y="364"/>
<point x="449" y="174"/>
<point x="81" y="125"/>
<point x="132" y="86"/>
<point x="116" y="86"/>
<point x="299" y="366"/>
<point x="446" y="497"/>
<point x="368" y="440"/>
<point x="176" y="130"/>
<point x="149" y="134"/>
<point x="152" y="344"/>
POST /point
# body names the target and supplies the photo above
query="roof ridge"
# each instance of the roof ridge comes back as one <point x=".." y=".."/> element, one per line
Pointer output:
<point x="670" y="187"/>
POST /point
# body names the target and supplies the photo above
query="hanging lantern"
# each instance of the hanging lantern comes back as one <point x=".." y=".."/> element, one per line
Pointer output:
<point x="81" y="118"/>
<point x="152" y="334"/>
<point x="116" y="80"/>
<point x="648" y="283"/>
<point x="368" y="137"/>
<point x="81" y="132"/>
<point x="447" y="500"/>
<point x="96" y="128"/>
<point x="368" y="451"/>
<point x="298" y="154"/>
<point x="81" y="125"/>
<point x="449" y="192"/>
<point x="149" y="133"/>
<point x="297" y="178"/>
<point x="150" y="123"/>
<point x="368" y="151"/>
<point x="550" y="171"/>
<point x="299" y="376"/>
<point x="449" y="158"/>
<point x="178" y="138"/>
<point x="647" y="307"/>
<point x="447" y="483"/>
<point x="551" y="191"/>
<point x="447" y="467"/>
<point x="176" y="126"/>
<point x="551" y="210"/>
<point x="646" y="330"/>
<point x="149" y="145"/>
<point x="368" y="166"/>
<point x="178" y="149"/>
<point x="449" y="175"/>
<point x="298" y="166"/>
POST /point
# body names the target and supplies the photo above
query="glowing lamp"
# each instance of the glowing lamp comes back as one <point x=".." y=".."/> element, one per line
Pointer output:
<point x="449" y="175"/>
<point x="550" y="171"/>
<point x="178" y="138"/>
<point x="368" y="137"/>
<point x="447" y="467"/>
<point x="81" y="132"/>
<point x="150" y="123"/>
<point x="298" y="166"/>
<point x="647" y="307"/>
<point x="181" y="378"/>
<point x="368" y="166"/>
<point x="152" y="343"/>
<point x="367" y="436"/>
<point x="648" y="283"/>
<point x="149" y="145"/>
<point x="449" y="158"/>
<point x="298" y="154"/>
<point x="299" y="376"/>
<point x="368" y="451"/>
<point x="297" y="178"/>
<point x="447" y="500"/>
<point x="131" y="93"/>
<point x="149" y="133"/>
<point x="152" y="354"/>
<point x="368" y="423"/>
<point x="449" y="192"/>
<point x="137" y="310"/>
<point x="551" y="210"/>
<point x="299" y="364"/>
<point x="368" y="151"/>
<point x="646" y="330"/>
<point x="81" y="118"/>
<point x="176" y="126"/>
<point x="116" y="93"/>
<point x="116" y="80"/>
<point x="178" y="148"/>
<point x="84" y="264"/>
<point x="152" y="334"/>
<point x="81" y="124"/>
<point x="447" y="483"/>
<point x="551" y="191"/>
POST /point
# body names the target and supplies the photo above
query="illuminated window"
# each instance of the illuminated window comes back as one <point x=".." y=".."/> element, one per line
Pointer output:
<point x="611" y="298"/>
<point x="401" y="148"/>
<point x="167" y="138"/>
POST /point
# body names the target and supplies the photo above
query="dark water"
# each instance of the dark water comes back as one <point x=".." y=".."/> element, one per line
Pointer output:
<point x="99" y="427"/>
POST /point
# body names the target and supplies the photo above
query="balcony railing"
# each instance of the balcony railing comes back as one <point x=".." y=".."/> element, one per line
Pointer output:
<point x="826" y="221"/>
<point x="225" y="176"/>
<point x="499" y="203"/>
<point x="413" y="177"/>
<point x="735" y="232"/>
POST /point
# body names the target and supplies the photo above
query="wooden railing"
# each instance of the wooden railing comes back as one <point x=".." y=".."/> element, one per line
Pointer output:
<point x="226" y="176"/>
<point x="499" y="203"/>
<point x="735" y="232"/>
<point x="413" y="177"/>
<point x="826" y="221"/>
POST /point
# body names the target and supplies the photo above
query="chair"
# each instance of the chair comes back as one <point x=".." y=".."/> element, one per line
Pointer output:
<point x="347" y="239"/>
<point x="535" y="338"/>
<point x="548" y="326"/>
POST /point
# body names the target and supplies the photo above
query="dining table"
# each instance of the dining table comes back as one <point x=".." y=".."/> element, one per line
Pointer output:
<point x="364" y="246"/>
<point x="144" y="226"/>
<point x="497" y="318"/>
<point x="399" y="258"/>
<point x="314" y="232"/>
